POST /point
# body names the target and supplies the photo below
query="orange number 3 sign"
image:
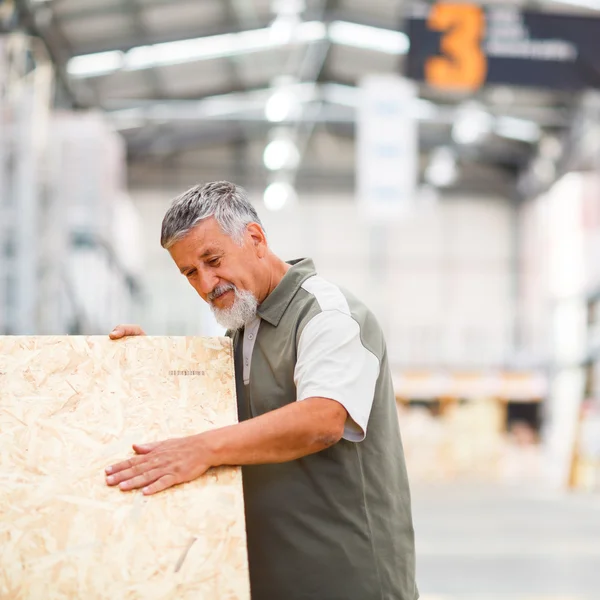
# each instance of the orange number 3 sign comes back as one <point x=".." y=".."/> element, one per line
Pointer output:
<point x="463" y="64"/>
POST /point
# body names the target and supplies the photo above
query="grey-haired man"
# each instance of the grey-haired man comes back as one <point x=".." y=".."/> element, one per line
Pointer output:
<point x="328" y="512"/>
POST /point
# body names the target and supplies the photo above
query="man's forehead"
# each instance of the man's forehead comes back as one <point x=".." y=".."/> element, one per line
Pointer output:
<point x="207" y="235"/>
<point x="202" y="241"/>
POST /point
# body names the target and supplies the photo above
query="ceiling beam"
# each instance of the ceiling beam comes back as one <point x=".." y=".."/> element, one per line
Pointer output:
<point x="107" y="8"/>
<point x="134" y="10"/>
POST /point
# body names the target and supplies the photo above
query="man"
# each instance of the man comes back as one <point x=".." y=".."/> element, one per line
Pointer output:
<point x="327" y="503"/>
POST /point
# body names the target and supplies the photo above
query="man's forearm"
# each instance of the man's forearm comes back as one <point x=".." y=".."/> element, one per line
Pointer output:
<point x="281" y="435"/>
<point x="284" y="434"/>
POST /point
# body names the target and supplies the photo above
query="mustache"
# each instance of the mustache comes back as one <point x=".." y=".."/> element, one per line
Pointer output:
<point x="220" y="290"/>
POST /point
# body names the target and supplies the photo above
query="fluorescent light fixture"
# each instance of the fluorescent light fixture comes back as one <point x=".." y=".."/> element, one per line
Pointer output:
<point x="521" y="130"/>
<point x="182" y="51"/>
<point x="278" y="194"/>
<point x="94" y="65"/>
<point x="233" y="44"/>
<point x="215" y="46"/>
<point x="369" y="38"/>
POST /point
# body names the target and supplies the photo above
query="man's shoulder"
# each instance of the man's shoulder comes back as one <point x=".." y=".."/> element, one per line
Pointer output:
<point x="330" y="296"/>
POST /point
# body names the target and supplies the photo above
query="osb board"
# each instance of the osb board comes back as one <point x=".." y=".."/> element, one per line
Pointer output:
<point x="69" y="407"/>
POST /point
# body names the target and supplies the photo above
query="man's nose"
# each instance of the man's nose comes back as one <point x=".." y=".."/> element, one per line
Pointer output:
<point x="207" y="282"/>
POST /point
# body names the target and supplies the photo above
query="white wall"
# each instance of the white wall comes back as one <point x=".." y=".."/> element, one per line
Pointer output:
<point x="439" y="282"/>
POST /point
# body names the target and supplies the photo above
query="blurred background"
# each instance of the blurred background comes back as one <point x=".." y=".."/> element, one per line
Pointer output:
<point x="441" y="161"/>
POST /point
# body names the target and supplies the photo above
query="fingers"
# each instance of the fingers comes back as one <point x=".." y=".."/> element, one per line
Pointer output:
<point x="122" y="466"/>
<point x="121" y="331"/>
<point x="134" y="469"/>
<point x="144" y="448"/>
<point x="162" y="483"/>
<point x="152" y="479"/>
<point x="139" y="481"/>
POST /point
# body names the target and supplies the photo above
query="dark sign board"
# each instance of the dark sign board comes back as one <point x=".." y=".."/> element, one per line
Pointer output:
<point x="465" y="46"/>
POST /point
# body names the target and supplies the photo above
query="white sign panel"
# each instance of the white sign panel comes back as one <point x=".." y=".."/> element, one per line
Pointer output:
<point x="387" y="147"/>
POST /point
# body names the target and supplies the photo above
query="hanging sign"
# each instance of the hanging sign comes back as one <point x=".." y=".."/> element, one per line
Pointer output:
<point x="386" y="147"/>
<point x="465" y="46"/>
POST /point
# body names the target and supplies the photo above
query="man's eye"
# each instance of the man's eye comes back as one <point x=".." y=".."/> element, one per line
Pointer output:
<point x="190" y="273"/>
<point x="214" y="262"/>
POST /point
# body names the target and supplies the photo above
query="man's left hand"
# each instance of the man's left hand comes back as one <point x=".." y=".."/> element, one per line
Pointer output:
<point x="161" y="465"/>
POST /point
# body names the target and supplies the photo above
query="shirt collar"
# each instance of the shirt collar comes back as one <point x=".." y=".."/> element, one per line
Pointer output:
<point x="275" y="304"/>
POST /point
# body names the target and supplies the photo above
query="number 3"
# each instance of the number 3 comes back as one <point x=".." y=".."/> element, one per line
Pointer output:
<point x="463" y="65"/>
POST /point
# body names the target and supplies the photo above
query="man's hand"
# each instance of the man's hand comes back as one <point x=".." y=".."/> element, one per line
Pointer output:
<point x="293" y="431"/>
<point x="121" y="331"/>
<point x="161" y="465"/>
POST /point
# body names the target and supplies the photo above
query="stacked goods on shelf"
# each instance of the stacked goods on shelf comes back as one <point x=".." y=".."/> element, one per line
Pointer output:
<point x="25" y="99"/>
<point x="100" y="226"/>
<point x="465" y="441"/>
<point x="456" y="425"/>
<point x="586" y="463"/>
<point x="560" y="281"/>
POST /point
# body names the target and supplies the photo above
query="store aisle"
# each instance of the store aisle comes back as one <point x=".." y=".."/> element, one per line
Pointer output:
<point x="484" y="542"/>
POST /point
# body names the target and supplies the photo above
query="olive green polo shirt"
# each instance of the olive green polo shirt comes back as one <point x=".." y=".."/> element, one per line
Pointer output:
<point x="335" y="525"/>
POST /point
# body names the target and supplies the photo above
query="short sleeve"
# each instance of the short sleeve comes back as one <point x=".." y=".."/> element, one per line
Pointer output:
<point x="332" y="362"/>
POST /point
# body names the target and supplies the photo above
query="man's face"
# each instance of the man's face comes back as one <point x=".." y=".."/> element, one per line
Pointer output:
<point x="213" y="262"/>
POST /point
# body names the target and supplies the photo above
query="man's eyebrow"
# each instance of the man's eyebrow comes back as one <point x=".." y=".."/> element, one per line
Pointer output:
<point x="210" y="251"/>
<point x="203" y="255"/>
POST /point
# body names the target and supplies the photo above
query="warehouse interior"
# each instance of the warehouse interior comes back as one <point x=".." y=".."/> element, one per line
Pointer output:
<point x="483" y="269"/>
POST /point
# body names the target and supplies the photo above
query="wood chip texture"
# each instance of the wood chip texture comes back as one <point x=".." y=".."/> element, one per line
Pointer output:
<point x="69" y="407"/>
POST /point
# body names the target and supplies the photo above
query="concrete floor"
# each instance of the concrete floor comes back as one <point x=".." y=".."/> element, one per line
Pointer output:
<point x="480" y="542"/>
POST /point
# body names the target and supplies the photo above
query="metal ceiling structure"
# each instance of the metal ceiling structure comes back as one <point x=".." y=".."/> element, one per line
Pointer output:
<point x="187" y="83"/>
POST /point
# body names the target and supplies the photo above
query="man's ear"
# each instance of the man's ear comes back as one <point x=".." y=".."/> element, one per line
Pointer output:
<point x="257" y="238"/>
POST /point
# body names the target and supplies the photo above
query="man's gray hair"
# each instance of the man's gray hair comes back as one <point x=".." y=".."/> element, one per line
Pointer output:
<point x="226" y="202"/>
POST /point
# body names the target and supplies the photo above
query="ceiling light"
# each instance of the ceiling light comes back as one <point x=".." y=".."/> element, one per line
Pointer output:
<point x="278" y="194"/>
<point x="288" y="7"/>
<point x="216" y="46"/>
<point x="442" y="170"/>
<point x="471" y="124"/>
<point x="182" y="51"/>
<point x="283" y="28"/>
<point x="233" y="44"/>
<point x="280" y="106"/>
<point x="281" y="154"/>
<point x="517" y="129"/>
<point x="93" y="65"/>
<point x="369" y="38"/>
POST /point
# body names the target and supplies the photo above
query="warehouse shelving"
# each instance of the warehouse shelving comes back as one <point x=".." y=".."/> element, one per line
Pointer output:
<point x="62" y="187"/>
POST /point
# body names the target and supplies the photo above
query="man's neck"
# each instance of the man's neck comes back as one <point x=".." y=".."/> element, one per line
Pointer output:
<point x="278" y="269"/>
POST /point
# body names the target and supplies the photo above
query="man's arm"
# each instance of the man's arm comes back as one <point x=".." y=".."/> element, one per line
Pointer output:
<point x="284" y="434"/>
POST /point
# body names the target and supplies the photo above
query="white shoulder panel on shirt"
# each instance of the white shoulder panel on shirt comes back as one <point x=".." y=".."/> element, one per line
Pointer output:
<point x="328" y="295"/>
<point x="333" y="363"/>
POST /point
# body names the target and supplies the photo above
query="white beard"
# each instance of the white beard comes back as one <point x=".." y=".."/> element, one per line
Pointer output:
<point x="240" y="313"/>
